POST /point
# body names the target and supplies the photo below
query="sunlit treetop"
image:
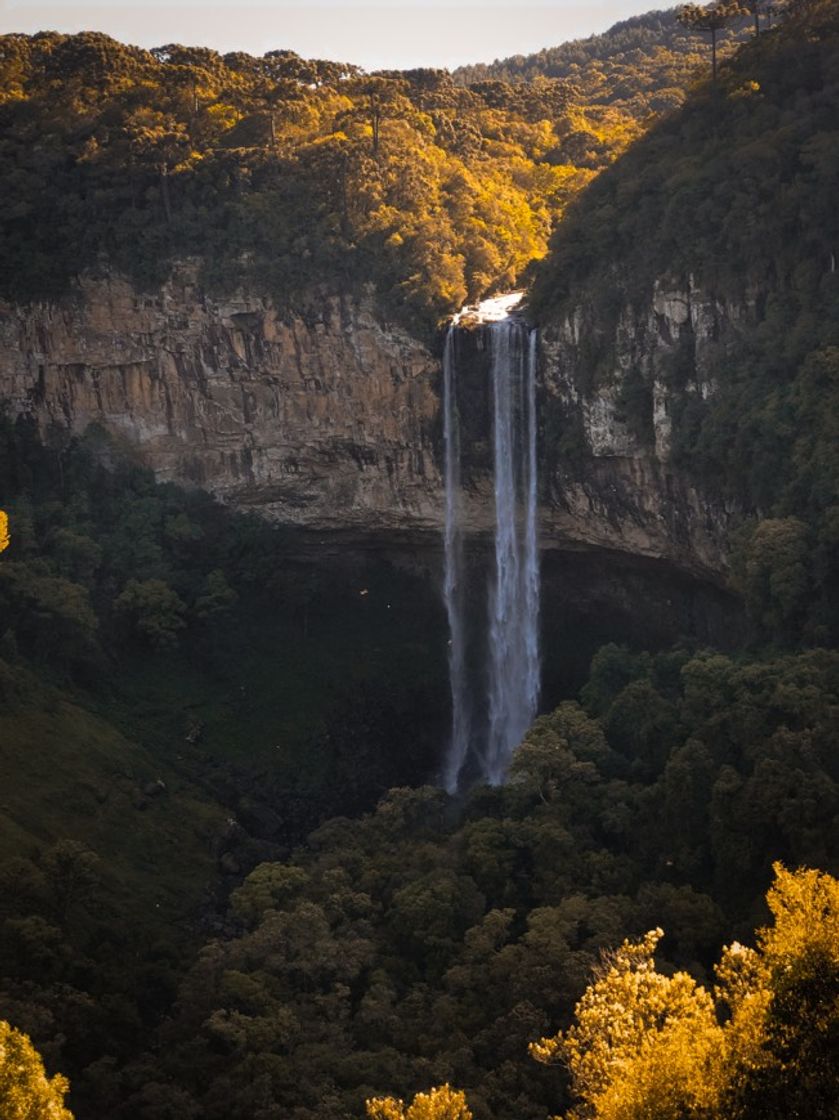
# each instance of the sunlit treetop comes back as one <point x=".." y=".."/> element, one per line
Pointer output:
<point x="26" y="1093"/>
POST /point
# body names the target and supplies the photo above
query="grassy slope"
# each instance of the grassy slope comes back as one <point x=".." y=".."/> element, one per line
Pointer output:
<point x="67" y="773"/>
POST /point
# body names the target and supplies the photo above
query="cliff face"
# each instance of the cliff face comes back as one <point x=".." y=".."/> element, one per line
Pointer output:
<point x="331" y="421"/>
<point x="611" y="384"/>
<point x="320" y="422"/>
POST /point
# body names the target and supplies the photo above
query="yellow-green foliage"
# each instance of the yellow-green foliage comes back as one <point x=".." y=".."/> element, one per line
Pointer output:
<point x="641" y="1042"/>
<point x="442" y="1103"/>
<point x="299" y="172"/>
<point x="26" y="1093"/>
<point x="646" y="1046"/>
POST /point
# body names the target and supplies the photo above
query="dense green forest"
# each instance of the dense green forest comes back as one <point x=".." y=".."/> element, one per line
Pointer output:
<point x="227" y="891"/>
<point x="639" y="67"/>
<point x="302" y="172"/>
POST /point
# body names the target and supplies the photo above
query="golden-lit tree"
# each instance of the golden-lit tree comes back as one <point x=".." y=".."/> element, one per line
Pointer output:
<point x="645" y="1045"/>
<point x="4" y="530"/>
<point x="26" y="1093"/>
<point x="642" y="1042"/>
<point x="442" y="1103"/>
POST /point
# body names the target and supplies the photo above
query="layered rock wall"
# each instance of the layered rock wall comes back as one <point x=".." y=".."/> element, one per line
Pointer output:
<point x="612" y="381"/>
<point x="321" y="421"/>
<point x="330" y="421"/>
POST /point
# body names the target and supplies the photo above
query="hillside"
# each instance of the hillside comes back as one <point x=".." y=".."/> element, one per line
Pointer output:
<point x="306" y="175"/>
<point x="640" y="66"/>
<point x="696" y="279"/>
<point x="226" y="892"/>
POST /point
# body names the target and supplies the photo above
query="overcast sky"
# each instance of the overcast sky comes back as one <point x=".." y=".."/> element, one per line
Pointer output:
<point x="391" y="33"/>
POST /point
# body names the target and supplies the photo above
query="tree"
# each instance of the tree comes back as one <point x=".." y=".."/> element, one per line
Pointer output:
<point x="641" y="1043"/>
<point x="377" y="99"/>
<point x="4" y="531"/>
<point x="442" y="1103"/>
<point x="775" y="579"/>
<point x="755" y="7"/>
<point x="217" y="598"/>
<point x="783" y="1035"/>
<point x="155" y="610"/>
<point x="711" y="19"/>
<point x="26" y="1093"/>
<point x="162" y="140"/>
<point x="645" y="1045"/>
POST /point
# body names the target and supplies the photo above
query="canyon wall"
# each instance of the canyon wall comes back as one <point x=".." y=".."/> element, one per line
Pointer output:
<point x="320" y="421"/>
<point x="330" y="420"/>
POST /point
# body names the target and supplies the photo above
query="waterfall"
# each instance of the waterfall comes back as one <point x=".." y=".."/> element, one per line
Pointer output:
<point x="453" y="585"/>
<point x="512" y="672"/>
<point x="531" y="539"/>
<point x="514" y="596"/>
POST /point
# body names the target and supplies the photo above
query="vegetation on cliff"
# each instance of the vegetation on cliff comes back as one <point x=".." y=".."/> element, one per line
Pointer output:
<point x="300" y="172"/>
<point x="732" y="200"/>
<point x="640" y="67"/>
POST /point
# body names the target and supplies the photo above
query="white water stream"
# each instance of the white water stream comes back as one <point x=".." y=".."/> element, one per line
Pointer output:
<point x="512" y="675"/>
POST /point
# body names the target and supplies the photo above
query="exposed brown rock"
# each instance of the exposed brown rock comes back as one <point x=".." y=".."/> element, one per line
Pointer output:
<point x="330" y="421"/>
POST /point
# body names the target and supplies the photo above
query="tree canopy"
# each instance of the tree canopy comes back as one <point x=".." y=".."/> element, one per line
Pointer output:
<point x="26" y="1093"/>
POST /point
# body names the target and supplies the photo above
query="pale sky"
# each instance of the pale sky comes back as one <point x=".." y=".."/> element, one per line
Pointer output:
<point x="388" y="34"/>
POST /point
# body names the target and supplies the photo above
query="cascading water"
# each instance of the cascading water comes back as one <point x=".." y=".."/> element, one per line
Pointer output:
<point x="512" y="645"/>
<point x="453" y="586"/>
<point x="514" y="597"/>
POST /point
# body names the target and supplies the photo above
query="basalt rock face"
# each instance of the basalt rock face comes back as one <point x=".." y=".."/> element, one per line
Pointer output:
<point x="613" y="380"/>
<point x="330" y="421"/>
<point x="322" y="421"/>
<point x="607" y="386"/>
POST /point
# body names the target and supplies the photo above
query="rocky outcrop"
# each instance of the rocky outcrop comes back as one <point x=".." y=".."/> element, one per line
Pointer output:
<point x="330" y="420"/>
<point x="324" y="420"/>
<point x="611" y="382"/>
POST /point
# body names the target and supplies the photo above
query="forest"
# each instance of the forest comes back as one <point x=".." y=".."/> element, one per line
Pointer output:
<point x="230" y="888"/>
<point x="433" y="188"/>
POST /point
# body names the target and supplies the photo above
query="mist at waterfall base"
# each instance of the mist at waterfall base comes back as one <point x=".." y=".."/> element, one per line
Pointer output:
<point x="494" y="675"/>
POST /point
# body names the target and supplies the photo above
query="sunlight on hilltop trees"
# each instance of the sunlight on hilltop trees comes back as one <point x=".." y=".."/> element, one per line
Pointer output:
<point x="302" y="170"/>
<point x="4" y="531"/>
<point x="26" y="1093"/>
<point x="647" y="1045"/>
<point x="711" y="19"/>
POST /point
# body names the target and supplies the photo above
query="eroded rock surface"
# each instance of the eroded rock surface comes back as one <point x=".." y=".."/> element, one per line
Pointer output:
<point x="330" y="421"/>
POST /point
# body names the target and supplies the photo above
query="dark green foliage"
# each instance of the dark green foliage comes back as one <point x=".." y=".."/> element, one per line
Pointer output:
<point x="431" y="942"/>
<point x="733" y="198"/>
<point x="112" y="577"/>
<point x="181" y="694"/>
<point x="640" y="66"/>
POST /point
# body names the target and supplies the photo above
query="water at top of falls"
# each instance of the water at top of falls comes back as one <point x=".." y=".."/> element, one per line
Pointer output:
<point x="512" y="641"/>
<point x="493" y="310"/>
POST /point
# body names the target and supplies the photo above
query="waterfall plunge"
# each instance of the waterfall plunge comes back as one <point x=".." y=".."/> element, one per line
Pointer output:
<point x="512" y="670"/>
<point x="453" y="584"/>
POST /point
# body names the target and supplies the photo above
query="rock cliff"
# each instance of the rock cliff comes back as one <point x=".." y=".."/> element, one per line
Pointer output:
<point x="320" y="421"/>
<point x="612" y="379"/>
<point x="330" y="420"/>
